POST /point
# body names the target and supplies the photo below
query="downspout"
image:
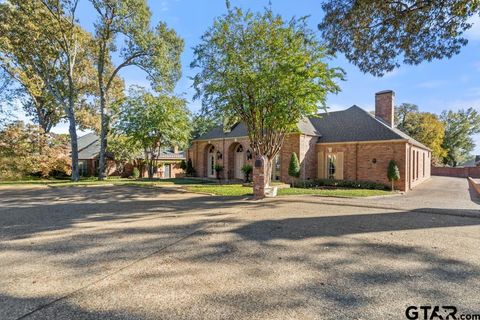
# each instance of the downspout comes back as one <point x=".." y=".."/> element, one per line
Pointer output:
<point x="356" y="161"/>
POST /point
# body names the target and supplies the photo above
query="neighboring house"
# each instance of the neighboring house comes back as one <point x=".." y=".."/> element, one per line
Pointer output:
<point x="168" y="164"/>
<point x="350" y="144"/>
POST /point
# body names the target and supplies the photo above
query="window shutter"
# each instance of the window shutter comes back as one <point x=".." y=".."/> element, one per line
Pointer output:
<point x="321" y="165"/>
<point x="339" y="171"/>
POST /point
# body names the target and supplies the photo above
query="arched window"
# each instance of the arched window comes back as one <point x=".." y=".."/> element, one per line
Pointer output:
<point x="239" y="148"/>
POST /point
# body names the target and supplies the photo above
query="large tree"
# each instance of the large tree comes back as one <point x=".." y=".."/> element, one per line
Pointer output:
<point x="426" y="128"/>
<point x="154" y="122"/>
<point x="378" y="35"/>
<point x="25" y="150"/>
<point x="264" y="71"/>
<point x="124" y="26"/>
<point x="460" y="126"/>
<point x="46" y="36"/>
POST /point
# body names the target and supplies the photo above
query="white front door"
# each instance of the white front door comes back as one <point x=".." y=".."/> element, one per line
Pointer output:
<point x="239" y="161"/>
<point x="211" y="163"/>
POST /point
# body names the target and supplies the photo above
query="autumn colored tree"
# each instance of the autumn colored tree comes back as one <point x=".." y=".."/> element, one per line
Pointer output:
<point x="41" y="39"/>
<point x="27" y="150"/>
<point x="424" y="127"/>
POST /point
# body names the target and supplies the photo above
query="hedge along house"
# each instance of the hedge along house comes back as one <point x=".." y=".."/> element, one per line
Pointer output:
<point x="345" y="145"/>
<point x="166" y="166"/>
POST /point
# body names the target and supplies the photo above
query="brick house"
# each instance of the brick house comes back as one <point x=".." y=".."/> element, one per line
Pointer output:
<point x="168" y="164"/>
<point x="351" y="145"/>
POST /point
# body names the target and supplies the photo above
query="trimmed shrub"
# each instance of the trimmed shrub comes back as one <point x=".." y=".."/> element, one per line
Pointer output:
<point x="347" y="184"/>
<point x="136" y="173"/>
<point x="393" y="173"/>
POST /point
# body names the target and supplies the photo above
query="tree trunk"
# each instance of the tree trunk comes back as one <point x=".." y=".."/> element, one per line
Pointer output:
<point x="73" y="142"/>
<point x="268" y="172"/>
<point x="103" y="140"/>
<point x="103" y="118"/>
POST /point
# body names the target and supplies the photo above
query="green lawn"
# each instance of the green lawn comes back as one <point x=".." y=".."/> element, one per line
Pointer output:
<point x="239" y="190"/>
<point x="115" y="181"/>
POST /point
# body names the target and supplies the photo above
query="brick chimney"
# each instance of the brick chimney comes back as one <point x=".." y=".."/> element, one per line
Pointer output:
<point x="384" y="106"/>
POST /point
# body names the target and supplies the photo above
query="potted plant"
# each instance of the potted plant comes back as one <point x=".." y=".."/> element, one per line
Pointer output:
<point x="218" y="169"/>
<point x="247" y="171"/>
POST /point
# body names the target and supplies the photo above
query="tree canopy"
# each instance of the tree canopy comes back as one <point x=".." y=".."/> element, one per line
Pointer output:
<point x="422" y="126"/>
<point x="460" y="126"/>
<point x="264" y="71"/>
<point x="124" y="27"/>
<point x="378" y="35"/>
<point x="154" y="122"/>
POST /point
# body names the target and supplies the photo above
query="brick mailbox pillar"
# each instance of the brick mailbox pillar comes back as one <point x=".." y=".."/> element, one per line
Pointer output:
<point x="259" y="178"/>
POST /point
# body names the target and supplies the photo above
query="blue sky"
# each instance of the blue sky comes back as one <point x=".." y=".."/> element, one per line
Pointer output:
<point x="444" y="84"/>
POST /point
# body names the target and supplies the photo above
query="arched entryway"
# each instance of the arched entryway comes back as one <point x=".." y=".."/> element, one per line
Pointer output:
<point x="238" y="162"/>
<point x="210" y="161"/>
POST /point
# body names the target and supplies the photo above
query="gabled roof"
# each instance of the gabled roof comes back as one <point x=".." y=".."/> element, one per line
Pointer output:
<point x="350" y="125"/>
<point x="238" y="130"/>
<point x="356" y="124"/>
<point x="89" y="148"/>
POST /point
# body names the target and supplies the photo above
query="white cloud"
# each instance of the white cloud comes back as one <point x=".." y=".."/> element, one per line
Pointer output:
<point x="474" y="32"/>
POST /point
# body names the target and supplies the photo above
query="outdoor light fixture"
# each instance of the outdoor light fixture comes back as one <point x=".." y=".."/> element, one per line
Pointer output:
<point x="249" y="155"/>
<point x="219" y="155"/>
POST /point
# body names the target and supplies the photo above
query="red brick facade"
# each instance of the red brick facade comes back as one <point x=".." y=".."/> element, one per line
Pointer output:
<point x="365" y="161"/>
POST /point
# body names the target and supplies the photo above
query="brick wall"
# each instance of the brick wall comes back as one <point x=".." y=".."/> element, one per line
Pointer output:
<point x="473" y="172"/>
<point x="198" y="154"/>
<point x="369" y="161"/>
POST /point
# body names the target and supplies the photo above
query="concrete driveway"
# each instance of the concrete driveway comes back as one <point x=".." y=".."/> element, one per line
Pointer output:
<point x="132" y="253"/>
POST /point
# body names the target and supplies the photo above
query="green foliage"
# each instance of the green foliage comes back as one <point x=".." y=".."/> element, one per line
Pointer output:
<point x="460" y="126"/>
<point x="422" y="126"/>
<point x="247" y="171"/>
<point x="183" y="165"/>
<point x="218" y="169"/>
<point x="124" y="150"/>
<point x="264" y="71"/>
<point x="154" y="122"/>
<point x="136" y="173"/>
<point x="393" y="173"/>
<point x="376" y="34"/>
<point x="402" y="112"/>
<point x="350" y="184"/>
<point x="294" y="166"/>
<point x="157" y="52"/>
<point x="26" y="150"/>
<point x="203" y="123"/>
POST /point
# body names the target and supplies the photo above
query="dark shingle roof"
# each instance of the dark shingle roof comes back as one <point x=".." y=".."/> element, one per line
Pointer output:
<point x="356" y="124"/>
<point x="350" y="125"/>
<point x="89" y="148"/>
<point x="239" y="130"/>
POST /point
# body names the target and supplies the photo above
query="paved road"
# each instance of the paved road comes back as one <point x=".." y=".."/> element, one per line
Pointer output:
<point x="131" y="253"/>
<point x="443" y="195"/>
